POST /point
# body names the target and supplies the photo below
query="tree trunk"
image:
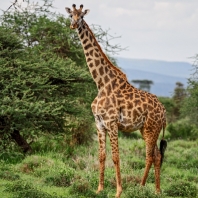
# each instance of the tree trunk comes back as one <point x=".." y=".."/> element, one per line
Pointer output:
<point x="22" y="143"/>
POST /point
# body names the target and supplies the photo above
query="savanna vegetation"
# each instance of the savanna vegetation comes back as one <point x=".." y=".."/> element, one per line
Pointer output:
<point x="48" y="142"/>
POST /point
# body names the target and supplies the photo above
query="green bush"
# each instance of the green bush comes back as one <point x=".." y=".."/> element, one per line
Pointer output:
<point x="182" y="129"/>
<point x="48" y="142"/>
<point x="133" y="135"/>
<point x="11" y="157"/>
<point x="171" y="108"/>
<point x="81" y="187"/>
<point x="182" y="188"/>
<point x="63" y="178"/>
<point x="136" y="163"/>
<point x="128" y="180"/>
<point x="143" y="192"/>
<point x="8" y="175"/>
<point x="25" y="190"/>
<point x="45" y="85"/>
<point x="190" y="104"/>
<point x="35" y="164"/>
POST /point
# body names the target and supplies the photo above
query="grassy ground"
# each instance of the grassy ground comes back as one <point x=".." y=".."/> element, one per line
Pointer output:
<point x="53" y="173"/>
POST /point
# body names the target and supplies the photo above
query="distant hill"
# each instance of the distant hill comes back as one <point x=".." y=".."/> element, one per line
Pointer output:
<point x="164" y="74"/>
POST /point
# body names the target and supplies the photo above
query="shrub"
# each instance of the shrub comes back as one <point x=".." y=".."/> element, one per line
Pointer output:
<point x="35" y="163"/>
<point x="143" y="192"/>
<point x="133" y="135"/>
<point x="80" y="187"/>
<point x="24" y="190"/>
<point x="182" y="129"/>
<point x="8" y="175"/>
<point x="11" y="157"/>
<point x="182" y="189"/>
<point x="136" y="163"/>
<point x="170" y="107"/>
<point x="48" y="142"/>
<point x="61" y="179"/>
<point x="128" y="180"/>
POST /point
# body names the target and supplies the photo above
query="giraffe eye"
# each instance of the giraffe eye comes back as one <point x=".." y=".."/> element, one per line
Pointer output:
<point x="70" y="15"/>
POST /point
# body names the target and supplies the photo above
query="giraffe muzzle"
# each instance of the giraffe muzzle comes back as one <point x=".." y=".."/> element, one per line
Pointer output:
<point x="73" y="26"/>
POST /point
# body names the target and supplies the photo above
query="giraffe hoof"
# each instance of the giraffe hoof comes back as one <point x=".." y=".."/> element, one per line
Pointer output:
<point x="158" y="191"/>
<point x="117" y="196"/>
<point x="118" y="193"/>
<point x="99" y="190"/>
<point x="142" y="184"/>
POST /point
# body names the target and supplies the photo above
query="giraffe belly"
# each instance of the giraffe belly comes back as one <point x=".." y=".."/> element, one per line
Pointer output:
<point x="129" y="127"/>
<point x="130" y="124"/>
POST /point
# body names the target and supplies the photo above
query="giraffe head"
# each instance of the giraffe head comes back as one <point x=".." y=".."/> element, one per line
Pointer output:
<point x="76" y="15"/>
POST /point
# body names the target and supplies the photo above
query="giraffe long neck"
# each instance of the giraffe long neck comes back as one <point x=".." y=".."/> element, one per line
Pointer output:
<point x="101" y="69"/>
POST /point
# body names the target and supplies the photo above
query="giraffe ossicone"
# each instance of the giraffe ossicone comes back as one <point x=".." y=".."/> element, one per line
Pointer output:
<point x="119" y="106"/>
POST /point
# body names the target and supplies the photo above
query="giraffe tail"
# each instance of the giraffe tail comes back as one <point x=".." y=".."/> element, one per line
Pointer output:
<point x="163" y="145"/>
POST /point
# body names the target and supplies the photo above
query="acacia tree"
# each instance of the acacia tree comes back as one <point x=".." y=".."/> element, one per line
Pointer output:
<point x="173" y="105"/>
<point x="37" y="93"/>
<point x="44" y="80"/>
<point x="143" y="84"/>
<point x="190" y="105"/>
<point x="178" y="97"/>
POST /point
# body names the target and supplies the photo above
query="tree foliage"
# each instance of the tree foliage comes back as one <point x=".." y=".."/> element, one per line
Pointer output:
<point x="40" y="92"/>
<point x="173" y="104"/>
<point x="169" y="106"/>
<point x="190" y="104"/>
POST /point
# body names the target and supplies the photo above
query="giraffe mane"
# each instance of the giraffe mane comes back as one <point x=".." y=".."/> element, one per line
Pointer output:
<point x="104" y="55"/>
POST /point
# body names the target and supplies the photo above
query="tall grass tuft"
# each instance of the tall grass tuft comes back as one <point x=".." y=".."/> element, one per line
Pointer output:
<point x="181" y="188"/>
<point x="26" y="190"/>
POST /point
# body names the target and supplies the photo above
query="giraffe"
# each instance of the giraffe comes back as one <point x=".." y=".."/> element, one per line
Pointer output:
<point x="119" y="106"/>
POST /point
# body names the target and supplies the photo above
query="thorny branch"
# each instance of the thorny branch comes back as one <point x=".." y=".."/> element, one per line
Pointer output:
<point x="104" y="38"/>
<point x="13" y="4"/>
<point x="194" y="75"/>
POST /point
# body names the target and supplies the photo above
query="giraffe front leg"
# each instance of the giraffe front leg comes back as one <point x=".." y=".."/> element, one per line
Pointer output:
<point x="102" y="158"/>
<point x="116" y="159"/>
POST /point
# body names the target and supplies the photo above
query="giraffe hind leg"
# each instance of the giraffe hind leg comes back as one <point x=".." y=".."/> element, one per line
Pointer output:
<point x="153" y="155"/>
<point x="149" y="161"/>
<point x="157" y="158"/>
<point x="150" y="141"/>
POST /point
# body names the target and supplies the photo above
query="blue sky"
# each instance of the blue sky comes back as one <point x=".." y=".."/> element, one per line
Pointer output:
<point x="151" y="29"/>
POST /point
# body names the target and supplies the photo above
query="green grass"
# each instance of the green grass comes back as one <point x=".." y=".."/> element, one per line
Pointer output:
<point x="55" y="174"/>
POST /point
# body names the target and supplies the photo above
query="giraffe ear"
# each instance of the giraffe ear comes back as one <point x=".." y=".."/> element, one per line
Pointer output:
<point x="86" y="12"/>
<point x="68" y="10"/>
